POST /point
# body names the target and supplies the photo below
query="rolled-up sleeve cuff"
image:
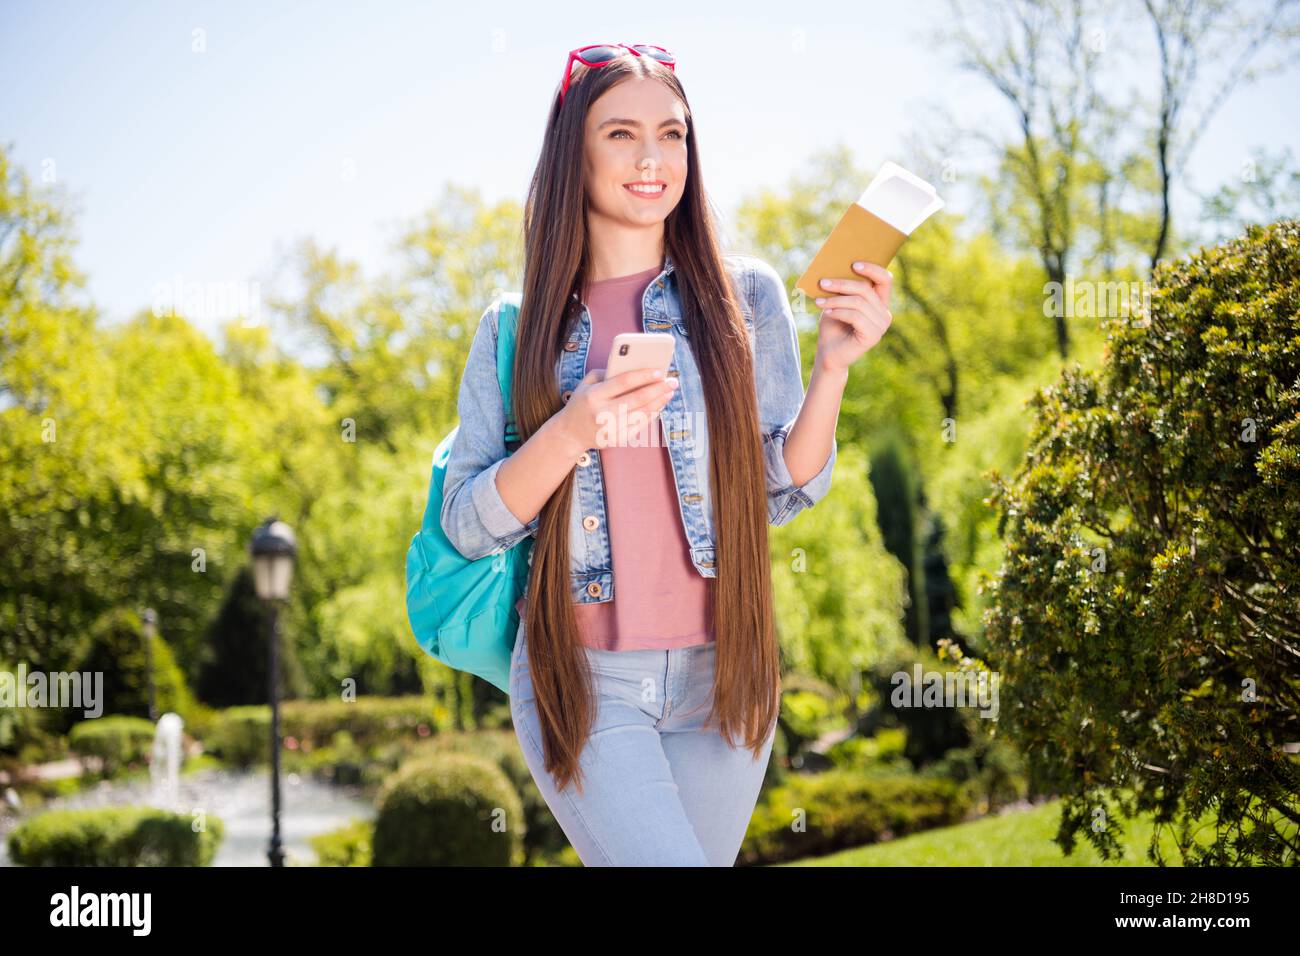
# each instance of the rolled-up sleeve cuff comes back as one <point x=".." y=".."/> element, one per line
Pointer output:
<point x="499" y="520"/>
<point x="781" y="485"/>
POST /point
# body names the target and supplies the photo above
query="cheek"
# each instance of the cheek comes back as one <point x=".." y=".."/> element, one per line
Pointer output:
<point x="678" y="170"/>
<point x="677" y="163"/>
<point x="600" y="165"/>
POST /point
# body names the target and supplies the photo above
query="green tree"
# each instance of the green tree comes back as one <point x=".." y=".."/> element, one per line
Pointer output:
<point x="1145" y="620"/>
<point x="115" y="648"/>
<point x="839" y="594"/>
<point x="121" y="452"/>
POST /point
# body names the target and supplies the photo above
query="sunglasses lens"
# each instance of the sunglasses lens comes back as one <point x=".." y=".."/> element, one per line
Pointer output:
<point x="663" y="56"/>
<point x="601" y="54"/>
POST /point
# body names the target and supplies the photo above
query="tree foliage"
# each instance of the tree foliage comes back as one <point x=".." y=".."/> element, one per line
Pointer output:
<point x="1146" y="617"/>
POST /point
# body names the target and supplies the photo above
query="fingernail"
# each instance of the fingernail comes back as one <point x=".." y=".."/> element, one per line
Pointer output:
<point x="826" y="283"/>
<point x="820" y="301"/>
<point x="859" y="265"/>
<point x="659" y="373"/>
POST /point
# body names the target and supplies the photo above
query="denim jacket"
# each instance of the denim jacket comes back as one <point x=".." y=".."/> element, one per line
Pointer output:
<point x="477" y="521"/>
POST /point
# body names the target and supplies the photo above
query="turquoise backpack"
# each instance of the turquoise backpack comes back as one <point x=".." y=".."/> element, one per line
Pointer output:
<point x="463" y="612"/>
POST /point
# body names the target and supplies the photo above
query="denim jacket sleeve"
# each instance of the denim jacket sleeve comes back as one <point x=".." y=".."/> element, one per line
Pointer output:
<point x="779" y="378"/>
<point x="474" y="518"/>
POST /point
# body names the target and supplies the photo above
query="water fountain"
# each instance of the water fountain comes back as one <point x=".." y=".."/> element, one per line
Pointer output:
<point x="165" y="766"/>
<point x="240" y="798"/>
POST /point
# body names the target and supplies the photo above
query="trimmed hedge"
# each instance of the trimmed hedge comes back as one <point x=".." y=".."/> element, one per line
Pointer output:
<point x="241" y="735"/>
<point x="369" y="720"/>
<point x="114" y="836"/>
<point x="349" y="845"/>
<point x="886" y="749"/>
<point x="839" y="809"/>
<point x="449" y="810"/>
<point x="117" y="741"/>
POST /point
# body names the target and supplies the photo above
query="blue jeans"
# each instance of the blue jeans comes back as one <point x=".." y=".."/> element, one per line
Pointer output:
<point x="658" y="788"/>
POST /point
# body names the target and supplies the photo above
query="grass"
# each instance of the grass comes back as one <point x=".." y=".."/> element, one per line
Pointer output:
<point x="1015" y="838"/>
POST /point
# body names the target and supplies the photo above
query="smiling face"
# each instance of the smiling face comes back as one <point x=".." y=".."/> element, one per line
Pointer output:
<point x="635" y="140"/>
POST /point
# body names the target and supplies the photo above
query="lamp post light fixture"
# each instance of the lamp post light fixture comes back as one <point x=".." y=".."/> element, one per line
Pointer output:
<point x="273" y="549"/>
<point x="150" y="619"/>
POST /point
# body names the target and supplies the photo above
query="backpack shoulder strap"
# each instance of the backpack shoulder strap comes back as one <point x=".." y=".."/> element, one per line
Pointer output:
<point x="507" y="325"/>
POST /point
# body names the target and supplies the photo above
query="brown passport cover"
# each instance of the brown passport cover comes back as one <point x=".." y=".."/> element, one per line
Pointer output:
<point x="858" y="236"/>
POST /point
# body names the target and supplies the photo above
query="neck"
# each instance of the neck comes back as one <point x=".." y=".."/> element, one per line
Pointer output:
<point x="617" y="250"/>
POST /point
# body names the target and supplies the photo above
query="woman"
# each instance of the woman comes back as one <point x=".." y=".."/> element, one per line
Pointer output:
<point x="646" y="715"/>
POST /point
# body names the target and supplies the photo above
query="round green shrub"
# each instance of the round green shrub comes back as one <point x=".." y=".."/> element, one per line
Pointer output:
<point x="449" y="810"/>
<point x="117" y="741"/>
<point x="543" y="835"/>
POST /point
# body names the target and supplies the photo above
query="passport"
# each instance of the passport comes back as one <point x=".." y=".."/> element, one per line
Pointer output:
<point x="874" y="228"/>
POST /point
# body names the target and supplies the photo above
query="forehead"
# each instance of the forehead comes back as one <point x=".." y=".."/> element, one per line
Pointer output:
<point x="641" y="98"/>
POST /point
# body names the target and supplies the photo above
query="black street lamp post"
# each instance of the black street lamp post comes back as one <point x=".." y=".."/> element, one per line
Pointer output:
<point x="273" y="549"/>
<point x="150" y="618"/>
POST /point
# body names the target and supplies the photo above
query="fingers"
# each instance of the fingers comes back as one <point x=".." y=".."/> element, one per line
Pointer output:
<point x="638" y="389"/>
<point x="849" y="288"/>
<point x="846" y="301"/>
<point x="628" y="414"/>
<point x="837" y="304"/>
<point x="625" y="381"/>
<point x="878" y="274"/>
<point x="647" y="395"/>
<point x="866" y="324"/>
<point x="882" y="277"/>
<point x="877" y="282"/>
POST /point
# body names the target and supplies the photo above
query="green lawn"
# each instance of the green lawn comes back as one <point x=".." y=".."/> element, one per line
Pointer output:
<point x="1016" y="838"/>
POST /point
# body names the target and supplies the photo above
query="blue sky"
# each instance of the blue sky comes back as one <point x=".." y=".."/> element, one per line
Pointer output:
<point x="207" y="165"/>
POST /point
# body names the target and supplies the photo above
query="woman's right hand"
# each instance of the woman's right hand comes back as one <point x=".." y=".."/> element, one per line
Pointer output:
<point x="609" y="410"/>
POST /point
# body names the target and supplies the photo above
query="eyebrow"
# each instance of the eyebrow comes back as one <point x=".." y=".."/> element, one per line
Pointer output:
<point x="637" y="123"/>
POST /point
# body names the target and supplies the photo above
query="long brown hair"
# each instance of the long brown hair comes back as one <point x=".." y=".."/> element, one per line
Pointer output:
<point x="746" y="689"/>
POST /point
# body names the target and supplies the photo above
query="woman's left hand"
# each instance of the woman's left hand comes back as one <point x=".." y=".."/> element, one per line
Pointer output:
<point x="855" y="315"/>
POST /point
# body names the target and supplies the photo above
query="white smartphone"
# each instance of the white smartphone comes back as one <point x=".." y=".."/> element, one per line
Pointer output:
<point x="636" y="350"/>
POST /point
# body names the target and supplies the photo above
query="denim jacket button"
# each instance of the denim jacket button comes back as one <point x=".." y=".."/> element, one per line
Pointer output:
<point x="566" y="395"/>
<point x="570" y="346"/>
<point x="591" y="522"/>
<point x="584" y="459"/>
<point x="594" y="589"/>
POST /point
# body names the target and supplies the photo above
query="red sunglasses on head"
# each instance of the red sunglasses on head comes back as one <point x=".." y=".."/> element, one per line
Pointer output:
<point x="598" y="54"/>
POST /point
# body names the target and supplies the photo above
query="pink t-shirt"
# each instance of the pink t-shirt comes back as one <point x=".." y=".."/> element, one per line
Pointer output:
<point x="660" y="600"/>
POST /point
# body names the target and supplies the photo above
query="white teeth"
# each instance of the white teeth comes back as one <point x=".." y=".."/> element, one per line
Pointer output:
<point x="646" y="189"/>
